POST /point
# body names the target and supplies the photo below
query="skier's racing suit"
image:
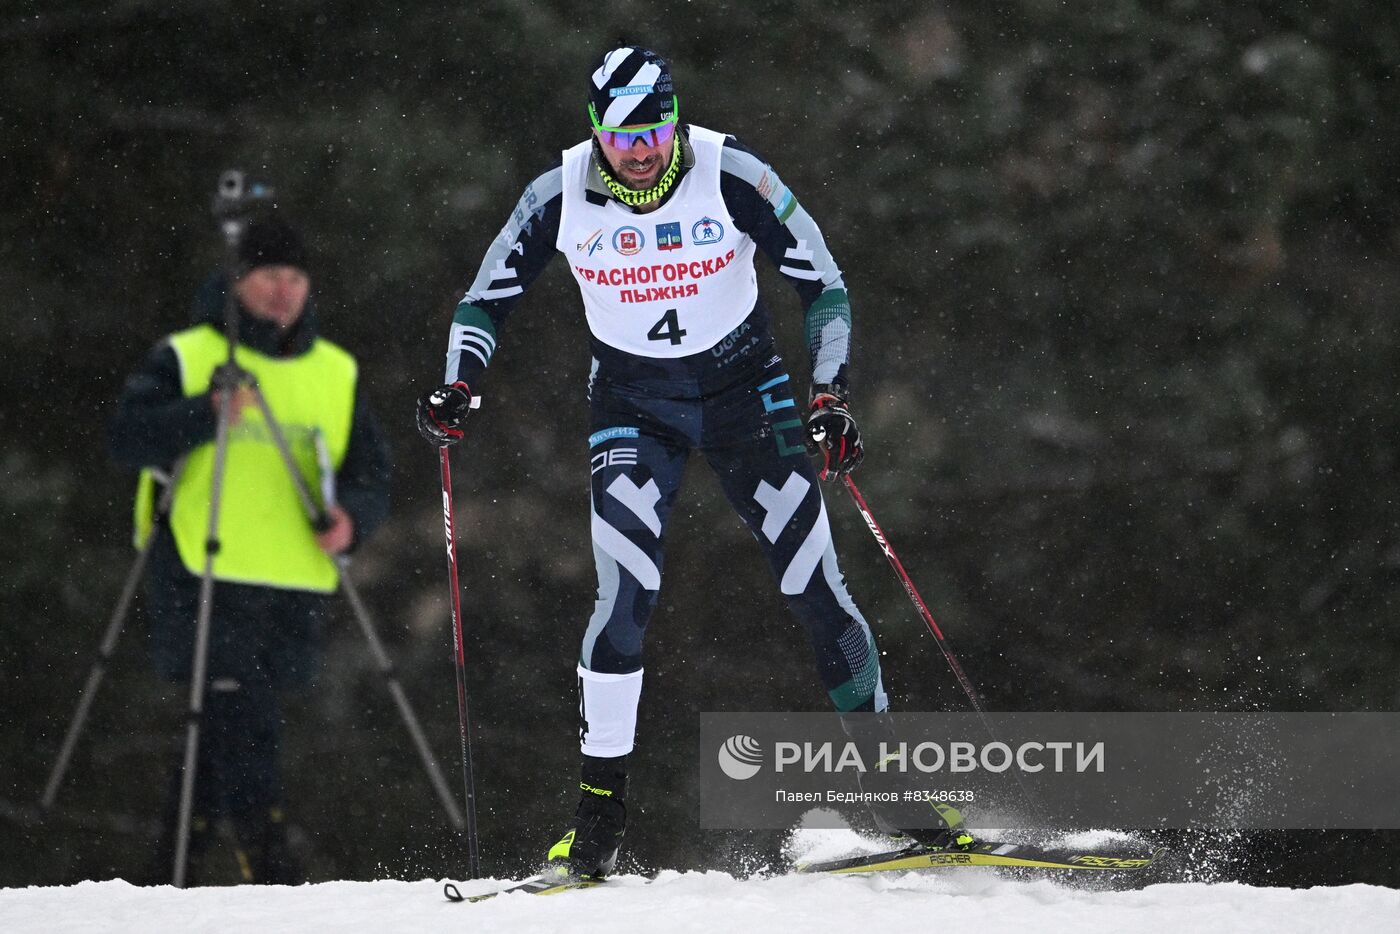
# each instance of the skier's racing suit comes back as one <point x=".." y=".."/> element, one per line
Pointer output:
<point x="683" y="360"/>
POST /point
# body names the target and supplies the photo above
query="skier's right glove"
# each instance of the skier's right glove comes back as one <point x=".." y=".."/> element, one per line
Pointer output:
<point x="832" y="432"/>
<point x="442" y="412"/>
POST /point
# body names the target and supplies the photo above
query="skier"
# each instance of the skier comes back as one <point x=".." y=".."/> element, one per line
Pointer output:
<point x="659" y="223"/>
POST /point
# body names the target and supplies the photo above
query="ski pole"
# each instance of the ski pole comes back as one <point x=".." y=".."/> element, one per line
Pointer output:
<point x="913" y="592"/>
<point x="938" y="636"/>
<point x="460" y="659"/>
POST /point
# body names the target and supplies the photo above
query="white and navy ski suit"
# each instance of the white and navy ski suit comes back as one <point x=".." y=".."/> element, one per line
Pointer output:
<point x="683" y="360"/>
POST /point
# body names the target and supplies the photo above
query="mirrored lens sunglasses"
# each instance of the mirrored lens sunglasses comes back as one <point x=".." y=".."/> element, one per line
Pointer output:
<point x="655" y="134"/>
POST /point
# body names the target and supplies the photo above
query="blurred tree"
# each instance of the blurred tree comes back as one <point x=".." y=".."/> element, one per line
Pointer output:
<point x="1124" y="279"/>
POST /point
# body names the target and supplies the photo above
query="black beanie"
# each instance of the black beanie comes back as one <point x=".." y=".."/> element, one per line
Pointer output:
<point x="631" y="87"/>
<point x="271" y="242"/>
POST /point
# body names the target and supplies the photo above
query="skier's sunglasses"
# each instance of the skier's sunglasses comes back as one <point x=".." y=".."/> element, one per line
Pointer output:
<point x="655" y="134"/>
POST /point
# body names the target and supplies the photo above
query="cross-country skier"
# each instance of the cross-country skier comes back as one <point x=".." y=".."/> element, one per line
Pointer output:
<point x="659" y="223"/>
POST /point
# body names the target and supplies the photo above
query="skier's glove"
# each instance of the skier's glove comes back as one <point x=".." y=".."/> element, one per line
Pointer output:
<point x="442" y="412"/>
<point x="832" y="432"/>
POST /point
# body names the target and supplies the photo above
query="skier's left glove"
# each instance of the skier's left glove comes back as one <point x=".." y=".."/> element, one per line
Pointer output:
<point x="832" y="432"/>
<point x="442" y="412"/>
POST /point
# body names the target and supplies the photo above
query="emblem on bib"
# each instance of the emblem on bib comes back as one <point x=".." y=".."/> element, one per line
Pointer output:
<point x="628" y="241"/>
<point x="593" y="244"/>
<point x="668" y="236"/>
<point x="706" y="230"/>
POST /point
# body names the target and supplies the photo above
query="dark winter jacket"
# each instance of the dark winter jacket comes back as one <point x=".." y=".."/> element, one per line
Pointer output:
<point x="259" y="633"/>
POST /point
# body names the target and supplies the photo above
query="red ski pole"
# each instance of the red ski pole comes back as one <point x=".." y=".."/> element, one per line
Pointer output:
<point x="1031" y="797"/>
<point x="460" y="659"/>
<point x="914" y="595"/>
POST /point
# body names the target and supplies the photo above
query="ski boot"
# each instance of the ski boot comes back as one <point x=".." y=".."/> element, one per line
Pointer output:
<point x="912" y="815"/>
<point x="952" y="835"/>
<point x="588" y="850"/>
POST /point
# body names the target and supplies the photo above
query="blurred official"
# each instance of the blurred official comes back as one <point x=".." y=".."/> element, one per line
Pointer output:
<point x="273" y="572"/>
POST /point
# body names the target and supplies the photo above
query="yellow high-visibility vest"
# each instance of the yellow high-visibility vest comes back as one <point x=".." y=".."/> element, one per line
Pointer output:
<point x="265" y="536"/>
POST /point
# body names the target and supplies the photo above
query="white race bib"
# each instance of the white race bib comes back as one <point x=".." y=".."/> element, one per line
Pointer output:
<point x="670" y="283"/>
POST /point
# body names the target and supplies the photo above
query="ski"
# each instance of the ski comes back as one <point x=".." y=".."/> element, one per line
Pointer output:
<point x="916" y="856"/>
<point x="982" y="853"/>
<point x="549" y="884"/>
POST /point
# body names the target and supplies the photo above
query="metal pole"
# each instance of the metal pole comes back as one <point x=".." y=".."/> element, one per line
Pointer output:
<point x="227" y="378"/>
<point x="391" y="680"/>
<point x="320" y="520"/>
<point x="104" y="652"/>
<point x="201" y="641"/>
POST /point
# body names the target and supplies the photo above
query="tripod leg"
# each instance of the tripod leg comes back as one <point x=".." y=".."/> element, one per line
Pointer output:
<point x="95" y="676"/>
<point x="318" y="517"/>
<point x="199" y="667"/>
<point x="108" y="646"/>
<point x="410" y="720"/>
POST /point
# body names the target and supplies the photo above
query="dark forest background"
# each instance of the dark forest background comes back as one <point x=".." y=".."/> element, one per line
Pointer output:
<point x="1125" y="278"/>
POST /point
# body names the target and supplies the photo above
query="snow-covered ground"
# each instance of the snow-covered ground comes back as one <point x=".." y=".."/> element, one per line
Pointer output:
<point x="962" y="901"/>
<point x="974" y="902"/>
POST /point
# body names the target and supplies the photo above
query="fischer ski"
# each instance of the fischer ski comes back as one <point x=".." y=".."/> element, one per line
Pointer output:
<point x="547" y="884"/>
<point x="916" y="856"/>
<point x="982" y="853"/>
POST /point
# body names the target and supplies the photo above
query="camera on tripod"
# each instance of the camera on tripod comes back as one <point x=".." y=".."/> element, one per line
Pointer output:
<point x="239" y="196"/>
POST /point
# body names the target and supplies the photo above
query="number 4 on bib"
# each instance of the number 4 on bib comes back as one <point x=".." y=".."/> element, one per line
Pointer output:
<point x="667" y="329"/>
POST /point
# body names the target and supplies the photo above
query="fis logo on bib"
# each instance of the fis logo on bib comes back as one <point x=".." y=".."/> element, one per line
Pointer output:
<point x="668" y="236"/>
<point x="706" y="230"/>
<point x="593" y="244"/>
<point x="628" y="241"/>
